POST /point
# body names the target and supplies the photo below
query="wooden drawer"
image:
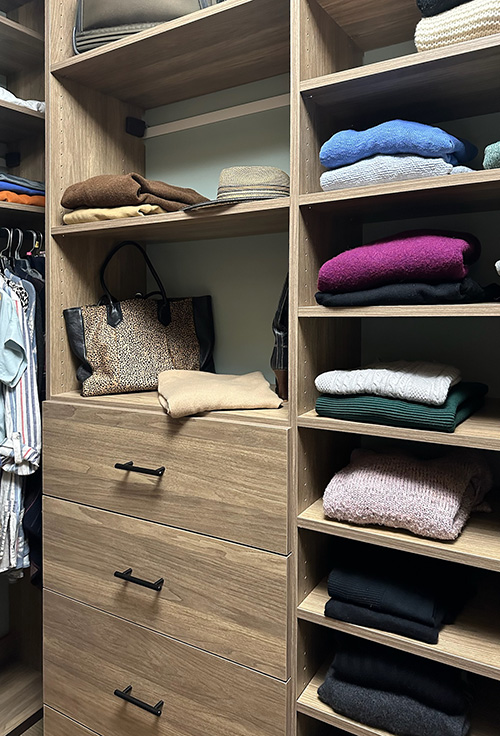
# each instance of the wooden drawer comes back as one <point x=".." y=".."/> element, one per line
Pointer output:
<point x="89" y="654"/>
<point x="223" y="479"/>
<point x="54" y="724"/>
<point x="217" y="595"/>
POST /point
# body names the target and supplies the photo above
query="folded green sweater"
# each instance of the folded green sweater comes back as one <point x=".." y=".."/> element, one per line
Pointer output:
<point x="463" y="400"/>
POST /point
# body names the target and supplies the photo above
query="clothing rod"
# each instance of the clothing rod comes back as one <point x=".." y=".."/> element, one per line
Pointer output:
<point x="228" y="113"/>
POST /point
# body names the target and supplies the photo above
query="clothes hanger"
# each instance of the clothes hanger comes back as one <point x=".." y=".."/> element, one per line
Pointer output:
<point x="6" y="249"/>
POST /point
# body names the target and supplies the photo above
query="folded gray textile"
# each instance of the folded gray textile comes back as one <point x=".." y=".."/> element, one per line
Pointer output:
<point x="396" y="714"/>
<point x="434" y="7"/>
<point x="22" y="182"/>
<point x="88" y="40"/>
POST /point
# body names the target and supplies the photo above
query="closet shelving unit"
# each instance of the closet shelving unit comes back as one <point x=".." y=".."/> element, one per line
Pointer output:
<point x="334" y="90"/>
<point x="22" y="63"/>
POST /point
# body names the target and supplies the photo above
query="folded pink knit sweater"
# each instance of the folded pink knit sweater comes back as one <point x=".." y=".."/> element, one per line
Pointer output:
<point x="432" y="498"/>
<point x="429" y="256"/>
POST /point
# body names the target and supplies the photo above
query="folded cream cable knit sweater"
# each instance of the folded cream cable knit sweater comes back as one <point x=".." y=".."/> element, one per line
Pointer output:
<point x="432" y="498"/>
<point x="424" y="383"/>
<point x="380" y="168"/>
<point x="475" y="19"/>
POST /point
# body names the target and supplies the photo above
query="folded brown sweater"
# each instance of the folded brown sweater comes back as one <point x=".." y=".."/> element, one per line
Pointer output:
<point x="118" y="190"/>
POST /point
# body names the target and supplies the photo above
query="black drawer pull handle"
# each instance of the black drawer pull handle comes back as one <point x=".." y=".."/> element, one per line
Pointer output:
<point x="127" y="575"/>
<point x="154" y="709"/>
<point x="135" y="469"/>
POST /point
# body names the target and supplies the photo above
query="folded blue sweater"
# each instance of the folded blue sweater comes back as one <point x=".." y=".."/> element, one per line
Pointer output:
<point x="392" y="137"/>
<point x="7" y="186"/>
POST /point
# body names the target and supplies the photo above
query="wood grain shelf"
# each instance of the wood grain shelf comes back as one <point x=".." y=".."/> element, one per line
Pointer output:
<point x="477" y="191"/>
<point x="18" y="122"/>
<point x="433" y="77"/>
<point x="20" y="697"/>
<point x="25" y="214"/>
<point x="481" y="430"/>
<point x="487" y="309"/>
<point x="189" y="56"/>
<point x="372" y="25"/>
<point x="248" y="218"/>
<point x="478" y="545"/>
<point x="484" y="718"/>
<point x="472" y="643"/>
<point x="20" y="47"/>
<point x="148" y="401"/>
<point x="36" y="730"/>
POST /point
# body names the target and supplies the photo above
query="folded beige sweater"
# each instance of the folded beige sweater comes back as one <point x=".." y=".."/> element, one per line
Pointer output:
<point x="472" y="20"/>
<point x="95" y="214"/>
<point x="182" y="393"/>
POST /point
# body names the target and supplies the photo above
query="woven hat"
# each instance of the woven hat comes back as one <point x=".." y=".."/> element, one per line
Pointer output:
<point x="246" y="183"/>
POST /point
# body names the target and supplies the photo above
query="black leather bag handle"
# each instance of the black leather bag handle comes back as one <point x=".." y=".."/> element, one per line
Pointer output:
<point x="114" y="310"/>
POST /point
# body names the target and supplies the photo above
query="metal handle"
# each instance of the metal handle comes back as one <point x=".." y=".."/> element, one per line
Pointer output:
<point x="156" y="710"/>
<point x="127" y="575"/>
<point x="135" y="469"/>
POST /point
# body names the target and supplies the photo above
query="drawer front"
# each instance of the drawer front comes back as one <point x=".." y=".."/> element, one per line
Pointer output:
<point x="223" y="597"/>
<point x="89" y="654"/>
<point x="222" y="479"/>
<point x="54" y="724"/>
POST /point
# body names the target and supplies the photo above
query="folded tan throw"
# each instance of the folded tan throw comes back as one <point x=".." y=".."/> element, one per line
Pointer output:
<point x="472" y="20"/>
<point x="110" y="190"/>
<point x="94" y="214"/>
<point x="182" y="393"/>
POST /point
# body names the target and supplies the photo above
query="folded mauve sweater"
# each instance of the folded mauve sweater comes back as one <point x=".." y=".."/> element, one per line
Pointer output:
<point x="110" y="190"/>
<point x="434" y="7"/>
<point x="393" y="713"/>
<point x="418" y="255"/>
<point x="431" y="498"/>
<point x="463" y="400"/>
<point x="466" y="291"/>
<point x="372" y="665"/>
<point x="471" y="20"/>
<point x="394" y="136"/>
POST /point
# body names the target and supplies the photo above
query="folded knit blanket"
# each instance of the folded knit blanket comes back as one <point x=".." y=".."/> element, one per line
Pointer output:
<point x="492" y="156"/>
<point x="466" y="291"/>
<point x="372" y="665"/>
<point x="182" y="393"/>
<point x="394" y="136"/>
<point x="463" y="400"/>
<point x="425" y="383"/>
<point x="398" y="714"/>
<point x="433" y="256"/>
<point x="110" y="190"/>
<point x="95" y="214"/>
<point x="382" y="168"/>
<point x="434" y="7"/>
<point x="361" y="616"/>
<point x="431" y="498"/>
<point x="474" y="19"/>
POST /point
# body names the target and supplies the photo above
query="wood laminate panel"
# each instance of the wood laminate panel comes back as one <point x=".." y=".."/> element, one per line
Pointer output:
<point x="56" y="724"/>
<point x="89" y="654"/>
<point x="36" y="730"/>
<point x="229" y="44"/>
<point x="20" y="47"/>
<point x="478" y="545"/>
<point x="380" y="89"/>
<point x="225" y="598"/>
<point x="148" y="401"/>
<point x="484" y="718"/>
<point x="20" y="696"/>
<point x="18" y="122"/>
<point x="249" y="218"/>
<point x="228" y="481"/>
<point x="471" y="643"/>
<point x="13" y="214"/>
<point x="487" y="309"/>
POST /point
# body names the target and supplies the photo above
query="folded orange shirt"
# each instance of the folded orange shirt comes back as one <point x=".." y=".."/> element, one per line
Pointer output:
<point x="35" y="200"/>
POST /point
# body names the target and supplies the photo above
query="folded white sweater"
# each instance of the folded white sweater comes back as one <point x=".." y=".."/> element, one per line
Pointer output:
<point x="421" y="382"/>
<point x="380" y="168"/>
<point x="474" y="19"/>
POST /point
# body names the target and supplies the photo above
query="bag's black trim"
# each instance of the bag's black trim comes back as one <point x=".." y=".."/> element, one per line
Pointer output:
<point x="76" y="335"/>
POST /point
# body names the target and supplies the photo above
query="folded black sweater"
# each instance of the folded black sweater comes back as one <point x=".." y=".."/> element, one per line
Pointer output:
<point x="434" y="7"/>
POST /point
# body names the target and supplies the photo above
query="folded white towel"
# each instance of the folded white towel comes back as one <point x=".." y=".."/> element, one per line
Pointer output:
<point x="474" y="19"/>
<point x="421" y="382"/>
<point x="380" y="168"/>
<point x="31" y="104"/>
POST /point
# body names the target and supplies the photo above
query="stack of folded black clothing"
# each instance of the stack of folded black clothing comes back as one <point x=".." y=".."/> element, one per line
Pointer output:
<point x="397" y="592"/>
<point x="395" y="691"/>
